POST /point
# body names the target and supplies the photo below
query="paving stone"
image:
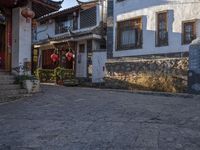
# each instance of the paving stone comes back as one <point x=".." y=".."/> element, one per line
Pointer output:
<point x="73" y="118"/>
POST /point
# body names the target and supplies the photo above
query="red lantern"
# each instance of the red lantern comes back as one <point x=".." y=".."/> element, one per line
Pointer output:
<point x="28" y="14"/>
<point x="69" y="56"/>
<point x="54" y="57"/>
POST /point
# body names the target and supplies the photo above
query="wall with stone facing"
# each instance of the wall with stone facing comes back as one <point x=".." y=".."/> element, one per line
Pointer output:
<point x="163" y="74"/>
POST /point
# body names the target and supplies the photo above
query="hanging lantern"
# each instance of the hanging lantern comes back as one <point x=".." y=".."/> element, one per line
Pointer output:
<point x="54" y="57"/>
<point x="28" y="14"/>
<point x="69" y="56"/>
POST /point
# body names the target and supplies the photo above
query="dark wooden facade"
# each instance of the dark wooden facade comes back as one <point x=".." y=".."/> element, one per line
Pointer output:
<point x="40" y="7"/>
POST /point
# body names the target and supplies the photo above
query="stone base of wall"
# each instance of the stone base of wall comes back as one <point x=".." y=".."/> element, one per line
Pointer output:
<point x="166" y="74"/>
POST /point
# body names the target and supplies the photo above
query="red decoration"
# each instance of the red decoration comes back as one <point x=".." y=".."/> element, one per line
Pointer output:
<point x="69" y="56"/>
<point x="54" y="57"/>
<point x="28" y="14"/>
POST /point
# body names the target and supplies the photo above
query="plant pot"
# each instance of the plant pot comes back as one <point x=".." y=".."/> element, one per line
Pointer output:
<point x="28" y="85"/>
<point x="36" y="86"/>
<point x="32" y="86"/>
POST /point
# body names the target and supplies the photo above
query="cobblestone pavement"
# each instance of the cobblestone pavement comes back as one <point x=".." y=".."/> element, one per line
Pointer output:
<point x="75" y="118"/>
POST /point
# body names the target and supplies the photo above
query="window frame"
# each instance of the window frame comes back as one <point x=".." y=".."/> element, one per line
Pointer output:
<point x="194" y="24"/>
<point x="158" y="41"/>
<point x="63" y="20"/>
<point x="119" y="47"/>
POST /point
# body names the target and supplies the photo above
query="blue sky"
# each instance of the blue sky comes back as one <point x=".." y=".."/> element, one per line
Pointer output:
<point x="68" y="3"/>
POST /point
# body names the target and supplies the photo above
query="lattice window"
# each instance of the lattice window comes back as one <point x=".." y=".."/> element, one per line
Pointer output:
<point x="88" y="18"/>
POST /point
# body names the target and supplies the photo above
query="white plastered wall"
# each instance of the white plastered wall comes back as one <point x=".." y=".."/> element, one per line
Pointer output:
<point x="81" y="61"/>
<point x="178" y="11"/>
<point x="21" y="41"/>
<point x="99" y="59"/>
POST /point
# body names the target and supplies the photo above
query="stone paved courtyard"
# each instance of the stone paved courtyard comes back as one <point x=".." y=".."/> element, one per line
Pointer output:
<point x="75" y="118"/>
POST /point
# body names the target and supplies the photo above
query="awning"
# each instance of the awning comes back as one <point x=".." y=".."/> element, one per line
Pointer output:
<point x="45" y="46"/>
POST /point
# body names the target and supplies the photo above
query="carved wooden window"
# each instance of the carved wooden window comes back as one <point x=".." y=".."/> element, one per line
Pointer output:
<point x="162" y="29"/>
<point x="189" y="32"/>
<point x="129" y="34"/>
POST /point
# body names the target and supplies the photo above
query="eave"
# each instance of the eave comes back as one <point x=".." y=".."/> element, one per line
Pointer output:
<point x="40" y="7"/>
<point x="80" y="6"/>
<point x="43" y="7"/>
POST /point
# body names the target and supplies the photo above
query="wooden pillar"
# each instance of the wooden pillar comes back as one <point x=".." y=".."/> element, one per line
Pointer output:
<point x="8" y="40"/>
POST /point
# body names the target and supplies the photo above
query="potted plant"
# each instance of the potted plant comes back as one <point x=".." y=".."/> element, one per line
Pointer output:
<point x="31" y="84"/>
<point x="27" y="81"/>
<point x="60" y="75"/>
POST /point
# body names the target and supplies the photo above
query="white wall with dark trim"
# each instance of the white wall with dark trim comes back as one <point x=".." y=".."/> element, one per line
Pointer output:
<point x="178" y="11"/>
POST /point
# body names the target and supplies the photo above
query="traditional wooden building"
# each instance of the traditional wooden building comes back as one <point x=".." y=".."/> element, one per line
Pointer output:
<point x="16" y="29"/>
<point x="78" y="31"/>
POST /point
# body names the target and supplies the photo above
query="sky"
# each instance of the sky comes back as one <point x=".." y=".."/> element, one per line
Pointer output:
<point x="68" y="3"/>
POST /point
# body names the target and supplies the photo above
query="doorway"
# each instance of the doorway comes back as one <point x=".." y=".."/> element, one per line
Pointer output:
<point x="2" y="47"/>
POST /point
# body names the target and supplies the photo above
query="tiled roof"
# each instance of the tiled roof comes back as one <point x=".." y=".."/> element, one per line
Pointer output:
<point x="81" y="5"/>
<point x="58" y="13"/>
<point x="95" y="31"/>
<point x="43" y="7"/>
<point x="56" y="4"/>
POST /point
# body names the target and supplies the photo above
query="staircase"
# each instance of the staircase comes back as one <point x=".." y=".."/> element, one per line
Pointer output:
<point x="8" y="90"/>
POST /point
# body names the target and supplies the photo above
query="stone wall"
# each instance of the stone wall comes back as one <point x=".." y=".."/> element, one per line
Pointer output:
<point x="163" y="74"/>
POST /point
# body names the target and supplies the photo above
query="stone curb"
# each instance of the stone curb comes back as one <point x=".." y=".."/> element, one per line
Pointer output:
<point x="183" y="95"/>
<point x="166" y="94"/>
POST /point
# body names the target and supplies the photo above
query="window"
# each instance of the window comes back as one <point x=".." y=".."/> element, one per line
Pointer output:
<point x="81" y="48"/>
<point x="88" y="18"/>
<point x="162" y="29"/>
<point x="63" y="26"/>
<point x="189" y="32"/>
<point x="129" y="34"/>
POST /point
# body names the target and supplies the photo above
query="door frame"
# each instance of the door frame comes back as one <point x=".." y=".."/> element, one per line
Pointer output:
<point x="8" y="41"/>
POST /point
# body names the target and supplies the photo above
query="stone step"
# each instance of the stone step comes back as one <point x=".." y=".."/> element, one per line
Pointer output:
<point x="6" y="77"/>
<point x="7" y="82"/>
<point x="9" y="98"/>
<point x="5" y="93"/>
<point x="9" y="87"/>
<point x="4" y="73"/>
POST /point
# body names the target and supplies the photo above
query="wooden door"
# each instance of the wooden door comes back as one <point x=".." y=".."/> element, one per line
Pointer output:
<point x="2" y="47"/>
